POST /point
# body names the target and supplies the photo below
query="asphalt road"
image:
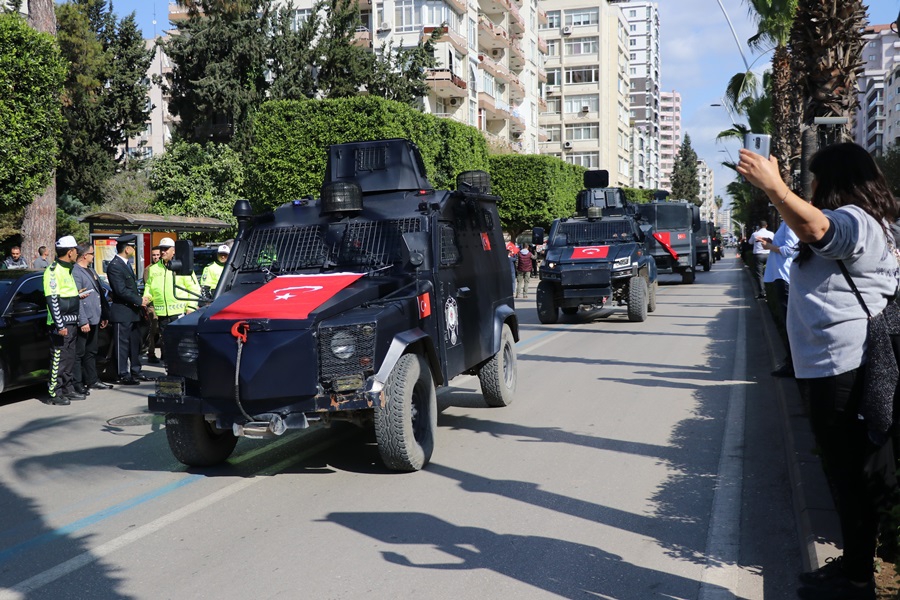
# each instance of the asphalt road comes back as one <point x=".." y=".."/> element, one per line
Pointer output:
<point x="638" y="461"/>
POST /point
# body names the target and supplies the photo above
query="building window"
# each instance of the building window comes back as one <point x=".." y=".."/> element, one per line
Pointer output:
<point x="553" y="77"/>
<point x="583" y="75"/>
<point x="487" y="82"/>
<point x="582" y="16"/>
<point x="580" y="46"/>
<point x="555" y="133"/>
<point x="300" y="16"/>
<point x="575" y="104"/>
<point x="553" y="105"/>
<point x="552" y="47"/>
<point x="406" y="16"/>
<point x="553" y="20"/>
<point x="632" y="27"/>
<point x="583" y="131"/>
<point x="589" y="160"/>
<point x="473" y="34"/>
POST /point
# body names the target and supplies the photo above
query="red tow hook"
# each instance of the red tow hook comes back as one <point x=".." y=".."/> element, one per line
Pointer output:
<point x="240" y="330"/>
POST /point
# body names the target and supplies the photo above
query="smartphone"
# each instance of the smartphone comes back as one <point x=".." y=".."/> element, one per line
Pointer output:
<point x="759" y="143"/>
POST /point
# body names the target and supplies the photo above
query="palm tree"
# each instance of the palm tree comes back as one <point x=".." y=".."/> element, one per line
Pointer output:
<point x="774" y="19"/>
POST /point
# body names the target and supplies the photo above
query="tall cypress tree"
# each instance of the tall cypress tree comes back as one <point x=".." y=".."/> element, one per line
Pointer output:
<point x="685" y="178"/>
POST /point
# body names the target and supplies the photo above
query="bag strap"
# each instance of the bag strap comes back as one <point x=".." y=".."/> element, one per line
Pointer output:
<point x="854" y="288"/>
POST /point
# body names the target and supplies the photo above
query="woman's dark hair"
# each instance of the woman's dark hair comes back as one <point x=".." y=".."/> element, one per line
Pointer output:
<point x="847" y="175"/>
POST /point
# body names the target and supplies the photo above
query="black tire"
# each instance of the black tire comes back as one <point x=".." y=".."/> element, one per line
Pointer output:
<point x="570" y="310"/>
<point x="687" y="276"/>
<point x="547" y="309"/>
<point x="637" y="299"/>
<point x="2" y="377"/>
<point x="196" y="443"/>
<point x="706" y="265"/>
<point x="651" y="301"/>
<point x="405" y="425"/>
<point x="498" y="375"/>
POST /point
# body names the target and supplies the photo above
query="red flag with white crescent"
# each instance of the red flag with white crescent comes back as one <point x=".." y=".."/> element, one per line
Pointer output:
<point x="590" y="251"/>
<point x="663" y="238"/>
<point x="288" y="297"/>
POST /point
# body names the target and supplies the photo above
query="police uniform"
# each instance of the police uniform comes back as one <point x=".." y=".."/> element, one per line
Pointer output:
<point x="63" y="304"/>
<point x="171" y="295"/>
<point x="209" y="279"/>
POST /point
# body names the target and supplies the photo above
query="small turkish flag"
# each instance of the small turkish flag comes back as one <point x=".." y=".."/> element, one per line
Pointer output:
<point x="682" y="236"/>
<point x="590" y="251"/>
<point x="288" y="297"/>
<point x="485" y="241"/>
<point x="424" y="305"/>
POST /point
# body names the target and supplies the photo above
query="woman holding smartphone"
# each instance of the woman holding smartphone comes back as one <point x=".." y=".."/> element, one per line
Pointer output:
<point x="848" y="220"/>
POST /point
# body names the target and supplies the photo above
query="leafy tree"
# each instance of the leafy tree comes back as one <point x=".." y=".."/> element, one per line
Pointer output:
<point x="220" y="69"/>
<point x="31" y="77"/>
<point x="197" y="180"/>
<point x="685" y="179"/>
<point x="293" y="54"/>
<point x="399" y="73"/>
<point x="128" y="191"/>
<point x="343" y="68"/>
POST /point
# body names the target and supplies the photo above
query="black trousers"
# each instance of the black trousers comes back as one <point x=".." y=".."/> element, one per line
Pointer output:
<point x="862" y="472"/>
<point x="163" y="323"/>
<point x="62" y="361"/>
<point x="759" y="261"/>
<point x="128" y="348"/>
<point x="782" y="289"/>
<point x="86" y="356"/>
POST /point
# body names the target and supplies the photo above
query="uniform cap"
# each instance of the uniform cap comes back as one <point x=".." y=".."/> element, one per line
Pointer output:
<point x="224" y="249"/>
<point x="167" y="243"/>
<point x="129" y="239"/>
<point x="67" y="241"/>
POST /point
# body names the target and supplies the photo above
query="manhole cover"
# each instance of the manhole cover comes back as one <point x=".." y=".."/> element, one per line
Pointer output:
<point x="136" y="420"/>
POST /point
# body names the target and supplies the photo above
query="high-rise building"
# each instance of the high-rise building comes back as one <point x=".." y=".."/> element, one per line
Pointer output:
<point x="644" y="73"/>
<point x="669" y="135"/>
<point x="152" y="140"/>
<point x="587" y="120"/>
<point x="706" y="178"/>
<point x="877" y="123"/>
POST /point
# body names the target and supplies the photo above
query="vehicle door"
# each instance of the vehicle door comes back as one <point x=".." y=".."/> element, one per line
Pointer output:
<point x="25" y="343"/>
<point x="451" y="240"/>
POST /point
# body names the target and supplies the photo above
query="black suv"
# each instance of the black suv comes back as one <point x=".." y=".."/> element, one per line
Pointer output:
<point x="672" y="227"/>
<point x="596" y="257"/>
<point x="352" y="307"/>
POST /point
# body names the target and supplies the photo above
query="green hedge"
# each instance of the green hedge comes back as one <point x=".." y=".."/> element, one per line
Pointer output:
<point x="290" y="139"/>
<point x="535" y="189"/>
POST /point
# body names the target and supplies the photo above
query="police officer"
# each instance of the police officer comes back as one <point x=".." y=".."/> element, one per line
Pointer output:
<point x="63" y="304"/>
<point x="168" y="302"/>
<point x="209" y="279"/>
<point x="125" y="311"/>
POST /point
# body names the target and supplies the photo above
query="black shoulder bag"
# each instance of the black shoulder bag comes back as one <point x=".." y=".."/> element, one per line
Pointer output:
<point x="882" y="372"/>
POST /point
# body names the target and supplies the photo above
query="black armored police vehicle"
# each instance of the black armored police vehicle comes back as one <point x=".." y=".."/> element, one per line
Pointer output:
<point x="596" y="257"/>
<point x="352" y="307"/>
<point x="672" y="228"/>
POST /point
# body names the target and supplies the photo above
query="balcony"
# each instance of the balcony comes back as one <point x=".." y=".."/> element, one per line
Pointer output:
<point x="459" y="6"/>
<point x="455" y="40"/>
<point x="542" y="45"/>
<point x="542" y="103"/>
<point x="516" y="89"/>
<point x="446" y="84"/>
<point x="495" y="110"/>
<point x="542" y="74"/>
<point x="362" y="37"/>
<point x="542" y="16"/>
<point x="543" y="135"/>
<point x="516" y="21"/>
<point x="516" y="122"/>
<point x="516" y="56"/>
<point x="491" y="35"/>
<point x="498" y="70"/>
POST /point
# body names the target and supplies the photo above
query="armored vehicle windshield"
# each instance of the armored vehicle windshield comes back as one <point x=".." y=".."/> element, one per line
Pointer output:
<point x="586" y="233"/>
<point x="665" y="217"/>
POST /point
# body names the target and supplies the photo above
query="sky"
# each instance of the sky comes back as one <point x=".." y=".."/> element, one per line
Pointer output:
<point x="699" y="56"/>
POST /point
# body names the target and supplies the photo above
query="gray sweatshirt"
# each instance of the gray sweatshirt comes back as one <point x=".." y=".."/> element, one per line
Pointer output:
<point x="825" y="323"/>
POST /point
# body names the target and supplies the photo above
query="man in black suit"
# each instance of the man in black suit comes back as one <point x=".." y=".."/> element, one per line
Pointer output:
<point x="125" y="311"/>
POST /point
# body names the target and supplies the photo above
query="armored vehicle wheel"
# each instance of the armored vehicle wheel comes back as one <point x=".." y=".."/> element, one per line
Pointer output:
<point x="498" y="375"/>
<point x="570" y="310"/>
<point x="404" y="427"/>
<point x="637" y="299"/>
<point x="548" y="311"/>
<point x="197" y="443"/>
<point x="651" y="302"/>
<point x="706" y="265"/>
<point x="687" y="276"/>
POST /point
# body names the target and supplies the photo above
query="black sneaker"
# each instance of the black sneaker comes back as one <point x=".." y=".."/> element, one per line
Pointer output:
<point x="57" y="400"/>
<point x="832" y="569"/>
<point x="785" y="370"/>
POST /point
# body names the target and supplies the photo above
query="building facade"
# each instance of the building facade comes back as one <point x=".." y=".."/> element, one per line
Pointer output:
<point x="152" y="141"/>
<point x="877" y="123"/>
<point x="587" y="120"/>
<point x="669" y="135"/>
<point x="706" y="177"/>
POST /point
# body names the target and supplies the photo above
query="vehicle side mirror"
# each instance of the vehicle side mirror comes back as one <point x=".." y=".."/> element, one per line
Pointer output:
<point x="416" y="251"/>
<point x="183" y="263"/>
<point x="695" y="217"/>
<point x="22" y="309"/>
<point x="537" y="236"/>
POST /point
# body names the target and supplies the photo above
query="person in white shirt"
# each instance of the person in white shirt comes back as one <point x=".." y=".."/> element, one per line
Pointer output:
<point x="782" y="250"/>
<point x="761" y="255"/>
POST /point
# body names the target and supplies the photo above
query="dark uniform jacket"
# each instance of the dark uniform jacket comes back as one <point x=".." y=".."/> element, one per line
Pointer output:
<point x="126" y="301"/>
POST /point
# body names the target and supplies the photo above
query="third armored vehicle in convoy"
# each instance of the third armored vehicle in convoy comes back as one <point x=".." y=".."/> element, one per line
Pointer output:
<point x="597" y="257"/>
<point x="674" y="226"/>
<point x="352" y="307"/>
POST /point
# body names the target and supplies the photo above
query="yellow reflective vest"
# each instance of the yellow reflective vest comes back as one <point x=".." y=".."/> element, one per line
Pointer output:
<point x="168" y="301"/>
<point x="211" y="274"/>
<point x="61" y="293"/>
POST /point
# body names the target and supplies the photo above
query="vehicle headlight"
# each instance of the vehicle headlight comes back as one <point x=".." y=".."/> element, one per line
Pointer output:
<point x="188" y="350"/>
<point x="621" y="263"/>
<point x="343" y="345"/>
<point x="550" y="265"/>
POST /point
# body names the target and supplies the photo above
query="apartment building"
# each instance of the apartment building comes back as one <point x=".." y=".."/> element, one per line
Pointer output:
<point x="669" y="135"/>
<point x="877" y="123"/>
<point x="152" y="141"/>
<point x="587" y="117"/>
<point x="706" y="177"/>
<point x="644" y="73"/>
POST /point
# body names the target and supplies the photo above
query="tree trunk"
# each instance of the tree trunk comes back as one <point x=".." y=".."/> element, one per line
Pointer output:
<point x="781" y="112"/>
<point x="39" y="225"/>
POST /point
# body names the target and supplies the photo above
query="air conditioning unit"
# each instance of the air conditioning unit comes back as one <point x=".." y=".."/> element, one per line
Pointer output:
<point x="567" y="30"/>
<point x="552" y="89"/>
<point x="567" y="145"/>
<point x="454" y="101"/>
<point x="385" y="26"/>
<point x="585" y="109"/>
<point x="497" y="52"/>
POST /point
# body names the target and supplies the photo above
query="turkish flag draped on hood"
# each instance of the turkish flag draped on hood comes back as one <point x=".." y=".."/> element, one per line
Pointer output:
<point x="590" y="252"/>
<point x="288" y="297"/>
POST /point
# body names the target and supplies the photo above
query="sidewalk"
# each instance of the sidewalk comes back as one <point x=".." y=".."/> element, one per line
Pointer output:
<point x="814" y="513"/>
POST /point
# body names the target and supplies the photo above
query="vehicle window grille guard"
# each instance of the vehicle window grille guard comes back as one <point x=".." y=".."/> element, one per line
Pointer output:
<point x="596" y="232"/>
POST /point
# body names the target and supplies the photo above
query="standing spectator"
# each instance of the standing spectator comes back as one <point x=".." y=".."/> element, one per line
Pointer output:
<point x="848" y="221"/>
<point x="62" y="317"/>
<point x="93" y="316"/>
<point x="534" y="261"/>
<point x="152" y="319"/>
<point x="15" y="260"/>
<point x="512" y="251"/>
<point x="782" y="250"/>
<point x="524" y="262"/>
<point x="125" y="312"/>
<point x="42" y="261"/>
<point x="760" y="255"/>
<point x="162" y="290"/>
<point x="209" y="279"/>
